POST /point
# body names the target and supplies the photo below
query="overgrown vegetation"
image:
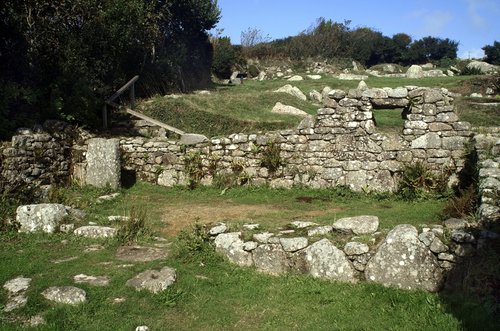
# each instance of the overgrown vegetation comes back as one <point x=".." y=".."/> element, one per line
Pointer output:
<point x="133" y="228"/>
<point x="271" y="157"/>
<point x="418" y="181"/>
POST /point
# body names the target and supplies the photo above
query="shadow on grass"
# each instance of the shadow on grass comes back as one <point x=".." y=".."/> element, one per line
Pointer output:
<point x="472" y="289"/>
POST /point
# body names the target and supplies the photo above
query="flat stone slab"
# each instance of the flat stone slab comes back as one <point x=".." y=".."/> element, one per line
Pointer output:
<point x="355" y="248"/>
<point x="91" y="280"/>
<point x="154" y="281"/>
<point x="233" y="248"/>
<point x="94" y="231"/>
<point x="293" y="244"/>
<point x="358" y="224"/>
<point x="192" y="139"/>
<point x="140" y="254"/>
<point x="16" y="289"/>
<point x="218" y="229"/>
<point x="303" y="224"/>
<point x="68" y="295"/>
<point x="320" y="231"/>
<point x="271" y="259"/>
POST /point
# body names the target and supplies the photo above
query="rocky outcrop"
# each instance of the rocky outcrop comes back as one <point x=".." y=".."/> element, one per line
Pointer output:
<point x="292" y="90"/>
<point x="41" y="218"/>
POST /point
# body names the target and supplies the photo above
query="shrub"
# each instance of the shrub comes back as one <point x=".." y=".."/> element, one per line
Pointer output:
<point x="133" y="228"/>
<point x="462" y="205"/>
<point x="193" y="167"/>
<point x="225" y="58"/>
<point x="470" y="71"/>
<point x="271" y="158"/>
<point x="418" y="181"/>
<point x="193" y="244"/>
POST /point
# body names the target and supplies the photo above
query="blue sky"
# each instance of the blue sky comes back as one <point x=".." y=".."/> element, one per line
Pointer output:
<point x="473" y="23"/>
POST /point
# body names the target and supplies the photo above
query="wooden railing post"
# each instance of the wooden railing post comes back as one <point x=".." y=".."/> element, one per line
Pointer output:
<point x="110" y="101"/>
<point x="132" y="96"/>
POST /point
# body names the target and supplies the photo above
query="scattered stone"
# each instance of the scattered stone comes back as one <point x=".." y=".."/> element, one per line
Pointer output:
<point x="231" y="246"/>
<point x="65" y="259"/>
<point x="355" y="248"/>
<point x="280" y="108"/>
<point x="108" y="197"/>
<point x="40" y="218"/>
<point x="315" y="96"/>
<point x="320" y="231"/>
<point x="293" y="244"/>
<point x="103" y="163"/>
<point x="117" y="218"/>
<point x="484" y="67"/>
<point x="295" y="78"/>
<point x="34" y="321"/>
<point x="142" y="328"/>
<point x="403" y="261"/>
<point x="446" y="257"/>
<point x="251" y="226"/>
<point x="287" y="231"/>
<point x="16" y="290"/>
<point x="91" y="280"/>
<point x="93" y="231"/>
<point x="119" y="300"/>
<point x="140" y="254"/>
<point x="358" y="225"/>
<point x="324" y="260"/>
<point x="314" y="77"/>
<point x="302" y="224"/>
<point x="93" y="248"/>
<point x="345" y="76"/>
<point x="271" y="259"/>
<point x="65" y="294"/>
<point x="362" y="86"/>
<point x="216" y="230"/>
<point x="292" y="90"/>
<point x="154" y="281"/>
<point x="455" y="224"/>
<point x="427" y="237"/>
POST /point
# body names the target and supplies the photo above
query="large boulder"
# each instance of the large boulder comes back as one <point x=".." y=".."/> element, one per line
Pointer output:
<point x="415" y="71"/>
<point x="323" y="260"/>
<point x="41" y="218"/>
<point x="103" y="163"/>
<point x="403" y="261"/>
<point x="485" y="67"/>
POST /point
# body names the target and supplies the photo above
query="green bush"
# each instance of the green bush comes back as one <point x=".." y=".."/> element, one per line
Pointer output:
<point x="470" y="71"/>
<point x="225" y="58"/>
<point x="271" y="158"/>
<point x="462" y="205"/>
<point x="194" y="244"/>
<point x="418" y="181"/>
<point x="133" y="228"/>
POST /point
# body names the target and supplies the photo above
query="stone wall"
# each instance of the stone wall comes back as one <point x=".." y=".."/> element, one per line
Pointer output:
<point x="39" y="156"/>
<point x="339" y="146"/>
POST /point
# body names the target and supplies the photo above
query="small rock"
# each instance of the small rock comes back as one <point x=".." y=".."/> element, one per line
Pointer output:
<point x="302" y="224"/>
<point x="192" y="139"/>
<point x="320" y="231"/>
<point x="34" y="321"/>
<point x="93" y="248"/>
<point x="216" y="230"/>
<point x="427" y="237"/>
<point x="119" y="300"/>
<point x="142" y="328"/>
<point x="287" y="231"/>
<point x="262" y="237"/>
<point x="293" y="244"/>
<point x="461" y="237"/>
<point x="65" y="259"/>
<point x="251" y="226"/>
<point x="437" y="246"/>
<point x="295" y="78"/>
<point x="117" y="218"/>
<point x="446" y="257"/>
<point x="455" y="224"/>
<point x="108" y="197"/>
<point x="91" y="280"/>
<point x="65" y="294"/>
<point x="250" y="246"/>
<point x="66" y="228"/>
<point x="355" y="248"/>
<point x="17" y="285"/>
<point x="154" y="281"/>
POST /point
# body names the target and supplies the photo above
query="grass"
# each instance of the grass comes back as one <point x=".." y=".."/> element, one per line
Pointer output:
<point x="247" y="108"/>
<point x="389" y="120"/>
<point x="478" y="112"/>
<point x="212" y="294"/>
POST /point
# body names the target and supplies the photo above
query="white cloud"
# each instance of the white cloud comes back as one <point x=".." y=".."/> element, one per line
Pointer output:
<point x="471" y="54"/>
<point x="433" y="22"/>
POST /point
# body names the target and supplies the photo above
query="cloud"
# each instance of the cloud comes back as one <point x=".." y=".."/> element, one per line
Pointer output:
<point x="475" y="10"/>
<point x="433" y="22"/>
<point x="471" y="54"/>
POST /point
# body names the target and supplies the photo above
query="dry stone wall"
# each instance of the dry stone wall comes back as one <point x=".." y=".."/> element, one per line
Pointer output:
<point x="339" y="146"/>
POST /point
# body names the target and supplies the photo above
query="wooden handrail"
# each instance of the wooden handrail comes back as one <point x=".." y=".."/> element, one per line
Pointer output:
<point x="110" y="101"/>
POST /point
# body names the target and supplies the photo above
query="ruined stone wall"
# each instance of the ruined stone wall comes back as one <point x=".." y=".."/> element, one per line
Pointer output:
<point x="38" y="156"/>
<point x="340" y="146"/>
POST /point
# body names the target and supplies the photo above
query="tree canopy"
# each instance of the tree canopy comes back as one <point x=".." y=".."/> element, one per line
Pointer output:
<point x="62" y="58"/>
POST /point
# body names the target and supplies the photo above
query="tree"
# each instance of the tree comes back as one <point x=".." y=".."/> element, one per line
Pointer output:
<point x="225" y="57"/>
<point x="71" y="54"/>
<point x="252" y="37"/>
<point x="432" y="49"/>
<point x="492" y="53"/>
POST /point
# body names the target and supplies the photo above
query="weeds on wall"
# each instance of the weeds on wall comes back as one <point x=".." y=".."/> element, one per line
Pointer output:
<point x="237" y="177"/>
<point x="418" y="182"/>
<point x="271" y="157"/>
<point x="194" y="244"/>
<point x="193" y="167"/>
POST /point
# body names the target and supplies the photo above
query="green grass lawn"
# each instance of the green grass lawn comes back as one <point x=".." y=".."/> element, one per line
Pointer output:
<point x="211" y="294"/>
<point x="247" y="108"/>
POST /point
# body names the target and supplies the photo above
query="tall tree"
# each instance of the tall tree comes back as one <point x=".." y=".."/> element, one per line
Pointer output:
<point x="492" y="52"/>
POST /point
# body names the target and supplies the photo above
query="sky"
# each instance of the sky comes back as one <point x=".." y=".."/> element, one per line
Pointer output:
<point x="472" y="23"/>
